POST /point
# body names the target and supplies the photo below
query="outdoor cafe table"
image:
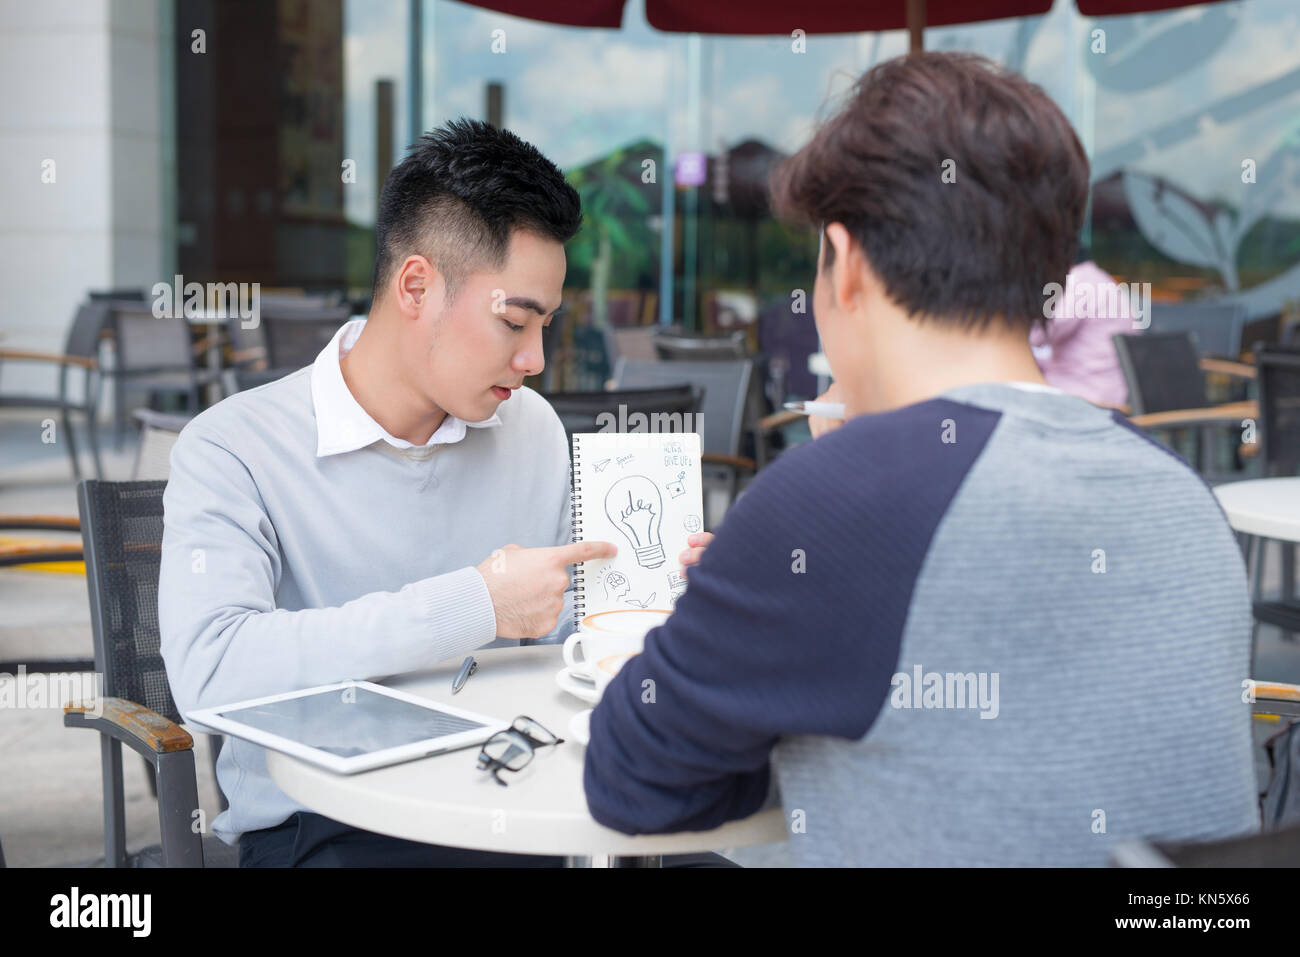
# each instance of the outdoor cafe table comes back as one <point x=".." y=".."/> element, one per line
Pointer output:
<point x="447" y="800"/>
<point x="1267" y="508"/>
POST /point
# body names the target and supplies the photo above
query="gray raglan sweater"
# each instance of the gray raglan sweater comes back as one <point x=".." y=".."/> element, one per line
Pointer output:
<point x="1073" y="588"/>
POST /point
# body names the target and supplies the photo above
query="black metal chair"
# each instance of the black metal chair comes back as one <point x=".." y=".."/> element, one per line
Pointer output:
<point x="727" y="412"/>
<point x="295" y="336"/>
<point x="35" y="553"/>
<point x="1268" y="848"/>
<point x="582" y="411"/>
<point x="158" y="433"/>
<point x="1278" y="381"/>
<point x="673" y="344"/>
<point x="154" y="354"/>
<point x="1265" y="849"/>
<point x="38" y="552"/>
<point x="81" y="351"/>
<point x="1215" y="328"/>
<point x="1216" y="331"/>
<point x="122" y="527"/>
<point x="1166" y="388"/>
<point x="249" y="352"/>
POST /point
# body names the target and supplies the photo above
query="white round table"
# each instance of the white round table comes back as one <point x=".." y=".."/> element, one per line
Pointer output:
<point x="1269" y="508"/>
<point x="447" y="800"/>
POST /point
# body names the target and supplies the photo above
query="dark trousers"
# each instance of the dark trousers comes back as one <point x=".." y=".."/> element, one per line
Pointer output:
<point x="312" y="840"/>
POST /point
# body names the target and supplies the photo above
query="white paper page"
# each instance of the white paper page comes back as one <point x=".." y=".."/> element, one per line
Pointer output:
<point x="643" y="492"/>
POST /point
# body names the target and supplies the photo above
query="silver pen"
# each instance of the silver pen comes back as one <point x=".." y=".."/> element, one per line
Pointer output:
<point x="467" y="668"/>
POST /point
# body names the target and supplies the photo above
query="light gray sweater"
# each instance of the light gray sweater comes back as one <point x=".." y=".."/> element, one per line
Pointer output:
<point x="282" y="570"/>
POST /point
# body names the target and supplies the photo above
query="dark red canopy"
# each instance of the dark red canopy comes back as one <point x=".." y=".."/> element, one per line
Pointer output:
<point x="811" y="16"/>
<point x="1107" y="8"/>
<point x="767" y="16"/>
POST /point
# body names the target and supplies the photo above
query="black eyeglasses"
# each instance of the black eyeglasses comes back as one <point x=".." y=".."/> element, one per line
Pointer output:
<point x="513" y="748"/>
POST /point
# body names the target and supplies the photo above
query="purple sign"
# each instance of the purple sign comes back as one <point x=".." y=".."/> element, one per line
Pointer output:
<point x="690" y="169"/>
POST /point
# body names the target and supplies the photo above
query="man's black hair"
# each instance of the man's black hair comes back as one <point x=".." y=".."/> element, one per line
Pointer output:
<point x="460" y="193"/>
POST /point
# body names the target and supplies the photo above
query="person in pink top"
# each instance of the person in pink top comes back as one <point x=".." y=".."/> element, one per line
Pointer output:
<point x="1074" y="348"/>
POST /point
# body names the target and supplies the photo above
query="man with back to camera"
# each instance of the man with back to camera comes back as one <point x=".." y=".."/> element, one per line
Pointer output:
<point x="342" y="521"/>
<point x="982" y="622"/>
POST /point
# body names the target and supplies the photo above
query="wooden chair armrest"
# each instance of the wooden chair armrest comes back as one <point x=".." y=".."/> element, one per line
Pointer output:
<point x="204" y="343"/>
<point x="251" y="354"/>
<point x="733" y="461"/>
<point x="1178" y="418"/>
<point x="39" y="552"/>
<point x="57" y="357"/>
<point x="776" y="420"/>
<point x="133" y="724"/>
<point x="44" y="523"/>
<point x="1228" y="367"/>
<point x="1275" y="698"/>
<point x="1275" y="690"/>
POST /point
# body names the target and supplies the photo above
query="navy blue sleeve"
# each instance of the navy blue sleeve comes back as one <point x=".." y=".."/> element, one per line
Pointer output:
<point x="790" y="624"/>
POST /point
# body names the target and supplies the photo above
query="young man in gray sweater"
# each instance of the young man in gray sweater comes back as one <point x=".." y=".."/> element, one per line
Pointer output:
<point x="349" y="519"/>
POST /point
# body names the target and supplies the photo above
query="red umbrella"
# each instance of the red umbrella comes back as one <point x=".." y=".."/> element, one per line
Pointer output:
<point x="811" y="16"/>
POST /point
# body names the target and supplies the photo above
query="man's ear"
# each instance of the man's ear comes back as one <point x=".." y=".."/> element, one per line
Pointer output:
<point x="846" y="271"/>
<point x="417" y="285"/>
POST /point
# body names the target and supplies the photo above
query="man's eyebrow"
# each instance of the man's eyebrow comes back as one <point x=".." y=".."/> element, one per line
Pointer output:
<point x="524" y="302"/>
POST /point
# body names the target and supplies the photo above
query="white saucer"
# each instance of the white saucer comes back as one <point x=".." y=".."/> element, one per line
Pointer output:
<point x="580" y="727"/>
<point x="578" y="687"/>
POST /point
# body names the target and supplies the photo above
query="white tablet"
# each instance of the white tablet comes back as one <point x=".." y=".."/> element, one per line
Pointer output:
<point x="351" y="726"/>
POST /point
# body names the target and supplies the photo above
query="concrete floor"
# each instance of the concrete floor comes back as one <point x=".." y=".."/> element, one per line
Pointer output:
<point x="51" y="812"/>
<point x="50" y="791"/>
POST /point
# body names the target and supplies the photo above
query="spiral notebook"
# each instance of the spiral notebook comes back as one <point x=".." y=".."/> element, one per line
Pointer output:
<point x="643" y="492"/>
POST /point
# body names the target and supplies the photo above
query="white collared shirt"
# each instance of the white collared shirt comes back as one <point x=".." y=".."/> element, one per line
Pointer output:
<point x="342" y="425"/>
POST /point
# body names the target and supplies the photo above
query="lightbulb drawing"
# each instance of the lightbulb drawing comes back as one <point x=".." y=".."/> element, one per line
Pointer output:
<point x="635" y="507"/>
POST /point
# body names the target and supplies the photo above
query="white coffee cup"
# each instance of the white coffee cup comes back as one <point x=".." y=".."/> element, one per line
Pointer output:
<point x="606" y="668"/>
<point x="608" y="637"/>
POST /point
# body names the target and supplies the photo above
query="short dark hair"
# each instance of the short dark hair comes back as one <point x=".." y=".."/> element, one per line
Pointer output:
<point x="460" y="193"/>
<point x="961" y="252"/>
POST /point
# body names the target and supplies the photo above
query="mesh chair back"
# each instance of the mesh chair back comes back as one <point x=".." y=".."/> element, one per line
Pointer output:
<point x="1215" y="328"/>
<point x="243" y="338"/>
<point x="294" y="338"/>
<point x="83" y="337"/>
<point x="1162" y="371"/>
<point x="158" y="433"/>
<point x="726" y="390"/>
<point x="634" y="343"/>
<point x="309" y="302"/>
<point x="147" y="343"/>
<point x="121" y="531"/>
<point x="676" y="345"/>
<point x="582" y="411"/>
<point x="1279" y="410"/>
